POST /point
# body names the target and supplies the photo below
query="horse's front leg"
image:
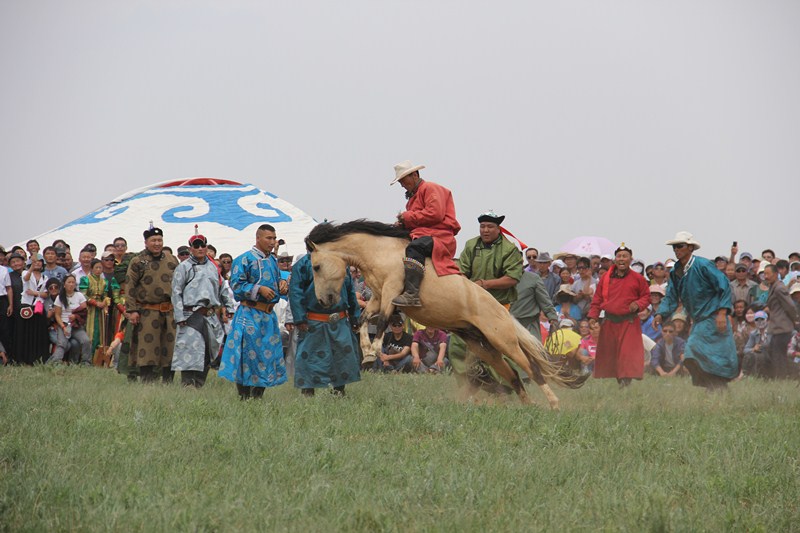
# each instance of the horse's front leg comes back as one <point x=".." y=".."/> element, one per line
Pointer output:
<point x="372" y="308"/>
<point x="386" y="308"/>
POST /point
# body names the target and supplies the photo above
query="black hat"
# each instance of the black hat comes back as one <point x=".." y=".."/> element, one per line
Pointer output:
<point x="52" y="281"/>
<point x="491" y="216"/>
<point x="152" y="231"/>
<point x="15" y="255"/>
<point x="183" y="250"/>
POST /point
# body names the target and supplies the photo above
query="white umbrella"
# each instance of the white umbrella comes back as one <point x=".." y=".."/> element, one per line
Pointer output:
<point x="586" y="246"/>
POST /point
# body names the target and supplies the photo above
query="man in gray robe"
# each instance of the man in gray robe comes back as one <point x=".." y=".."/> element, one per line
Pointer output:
<point x="197" y="293"/>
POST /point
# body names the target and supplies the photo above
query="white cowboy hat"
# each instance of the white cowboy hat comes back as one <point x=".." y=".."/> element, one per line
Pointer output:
<point x="401" y="170"/>
<point x="684" y="237"/>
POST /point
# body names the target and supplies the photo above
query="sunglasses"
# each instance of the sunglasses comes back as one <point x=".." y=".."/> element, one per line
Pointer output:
<point x="108" y="259"/>
<point x="532" y="257"/>
<point x="400" y="325"/>
<point x="679" y="246"/>
<point x="197" y="245"/>
<point x="760" y="319"/>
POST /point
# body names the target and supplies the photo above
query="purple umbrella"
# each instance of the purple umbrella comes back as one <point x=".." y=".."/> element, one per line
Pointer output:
<point x="587" y="246"/>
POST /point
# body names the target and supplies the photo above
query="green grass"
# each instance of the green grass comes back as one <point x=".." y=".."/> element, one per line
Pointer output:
<point x="81" y="449"/>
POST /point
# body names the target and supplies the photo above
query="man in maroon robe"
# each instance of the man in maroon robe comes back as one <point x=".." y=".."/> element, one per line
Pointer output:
<point x="621" y="293"/>
<point x="430" y="215"/>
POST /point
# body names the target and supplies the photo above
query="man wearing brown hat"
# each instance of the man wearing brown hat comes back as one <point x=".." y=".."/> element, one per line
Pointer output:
<point x="430" y="216"/>
<point x="149" y="283"/>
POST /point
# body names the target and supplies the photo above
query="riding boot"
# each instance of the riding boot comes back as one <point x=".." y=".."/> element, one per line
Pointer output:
<point x="414" y="273"/>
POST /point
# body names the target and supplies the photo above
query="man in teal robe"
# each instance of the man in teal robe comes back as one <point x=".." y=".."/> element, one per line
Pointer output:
<point x="704" y="291"/>
<point x="327" y="348"/>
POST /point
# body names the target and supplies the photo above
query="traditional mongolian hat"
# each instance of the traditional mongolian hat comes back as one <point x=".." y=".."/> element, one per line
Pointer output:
<point x="197" y="237"/>
<point x="152" y="231"/>
<point x="401" y="170"/>
<point x="491" y="216"/>
<point x="623" y="248"/>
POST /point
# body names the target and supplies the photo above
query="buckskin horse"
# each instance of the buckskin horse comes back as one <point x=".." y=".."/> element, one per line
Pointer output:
<point x="448" y="302"/>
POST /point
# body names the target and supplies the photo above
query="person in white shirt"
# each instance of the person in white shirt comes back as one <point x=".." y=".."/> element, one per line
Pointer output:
<point x="67" y="305"/>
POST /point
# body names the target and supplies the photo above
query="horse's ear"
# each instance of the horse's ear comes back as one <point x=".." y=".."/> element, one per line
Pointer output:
<point x="310" y="246"/>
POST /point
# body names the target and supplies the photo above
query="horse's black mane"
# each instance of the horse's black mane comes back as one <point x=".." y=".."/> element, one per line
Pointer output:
<point x="327" y="232"/>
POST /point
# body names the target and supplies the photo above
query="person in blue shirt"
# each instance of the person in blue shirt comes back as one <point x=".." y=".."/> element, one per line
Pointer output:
<point x="327" y="349"/>
<point x="705" y="292"/>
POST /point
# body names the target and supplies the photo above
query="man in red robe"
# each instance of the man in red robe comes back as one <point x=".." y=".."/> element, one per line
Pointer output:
<point x="430" y="215"/>
<point x="621" y="293"/>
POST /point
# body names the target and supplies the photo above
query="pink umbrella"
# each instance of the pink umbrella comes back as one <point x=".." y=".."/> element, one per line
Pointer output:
<point x="587" y="246"/>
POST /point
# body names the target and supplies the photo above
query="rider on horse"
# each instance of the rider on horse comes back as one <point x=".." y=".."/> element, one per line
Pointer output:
<point x="430" y="216"/>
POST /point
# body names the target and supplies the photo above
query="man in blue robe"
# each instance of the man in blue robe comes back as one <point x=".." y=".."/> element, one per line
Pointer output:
<point x="327" y="348"/>
<point x="704" y="291"/>
<point x="253" y="354"/>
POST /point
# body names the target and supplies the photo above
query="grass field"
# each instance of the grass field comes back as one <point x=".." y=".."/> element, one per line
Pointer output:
<point x="82" y="450"/>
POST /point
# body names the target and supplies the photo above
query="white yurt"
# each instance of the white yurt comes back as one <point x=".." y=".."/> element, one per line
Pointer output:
<point x="226" y="212"/>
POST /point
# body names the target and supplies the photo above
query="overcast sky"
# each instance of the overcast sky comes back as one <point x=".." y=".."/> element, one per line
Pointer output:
<point x="630" y="120"/>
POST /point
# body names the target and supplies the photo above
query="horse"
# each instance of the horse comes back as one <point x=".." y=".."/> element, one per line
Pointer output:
<point x="450" y="302"/>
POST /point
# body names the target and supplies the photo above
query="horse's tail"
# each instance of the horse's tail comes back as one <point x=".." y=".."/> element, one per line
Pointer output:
<point x="555" y="371"/>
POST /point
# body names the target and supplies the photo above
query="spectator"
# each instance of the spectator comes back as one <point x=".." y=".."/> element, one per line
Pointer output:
<point x="183" y="253"/>
<point x="122" y="259"/>
<point x="585" y="285"/>
<point x="565" y="306"/>
<point x="84" y="267"/>
<point x="741" y="286"/>
<point x="51" y="267"/>
<point x="6" y="306"/>
<point x="657" y="293"/>
<point x="566" y="277"/>
<point x="782" y="317"/>
<point x="667" y="356"/>
<point x="531" y="255"/>
<point x="285" y="267"/>
<point x="783" y="271"/>
<point x="32" y="246"/>
<point x="721" y="263"/>
<point x="589" y="341"/>
<point x="225" y="262"/>
<point x="794" y="292"/>
<point x="638" y="266"/>
<point x="566" y="343"/>
<point x="100" y="300"/>
<point x="31" y="342"/>
<point x="756" y="355"/>
<point x="681" y="323"/>
<point x="53" y="288"/>
<point x="211" y="250"/>
<point x="651" y="330"/>
<point x="552" y="281"/>
<point x="557" y="266"/>
<point x="594" y="261"/>
<point x="760" y="291"/>
<point x="532" y="300"/>
<point x="3" y="258"/>
<point x="743" y="324"/>
<point x="747" y="260"/>
<point x="68" y="308"/>
<point x="396" y="349"/>
<point x="429" y="350"/>
<point x="571" y="265"/>
<point x="768" y="256"/>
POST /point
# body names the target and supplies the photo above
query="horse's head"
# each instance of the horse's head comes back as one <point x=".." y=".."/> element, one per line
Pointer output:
<point x="329" y="272"/>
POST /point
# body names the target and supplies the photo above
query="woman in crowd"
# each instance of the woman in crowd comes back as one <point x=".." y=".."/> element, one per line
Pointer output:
<point x="225" y="262"/>
<point x="565" y="306"/>
<point x="99" y="297"/>
<point x="68" y="308"/>
<point x="759" y="292"/>
<point x="743" y="325"/>
<point x="679" y="320"/>
<point x="31" y="343"/>
<point x="53" y="288"/>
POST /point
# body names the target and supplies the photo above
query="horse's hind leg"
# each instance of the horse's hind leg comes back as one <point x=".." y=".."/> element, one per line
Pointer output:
<point x="537" y="378"/>
<point x="492" y="357"/>
<point x="367" y="348"/>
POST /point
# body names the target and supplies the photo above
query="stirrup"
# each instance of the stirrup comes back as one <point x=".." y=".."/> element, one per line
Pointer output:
<point x="407" y="300"/>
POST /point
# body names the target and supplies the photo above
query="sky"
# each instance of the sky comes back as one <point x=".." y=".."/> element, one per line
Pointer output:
<point x="630" y="120"/>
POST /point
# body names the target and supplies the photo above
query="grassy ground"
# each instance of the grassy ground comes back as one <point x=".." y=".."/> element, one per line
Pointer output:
<point x="80" y="449"/>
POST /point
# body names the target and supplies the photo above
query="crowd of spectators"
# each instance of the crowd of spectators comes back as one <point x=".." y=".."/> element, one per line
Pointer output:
<point x="54" y="308"/>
